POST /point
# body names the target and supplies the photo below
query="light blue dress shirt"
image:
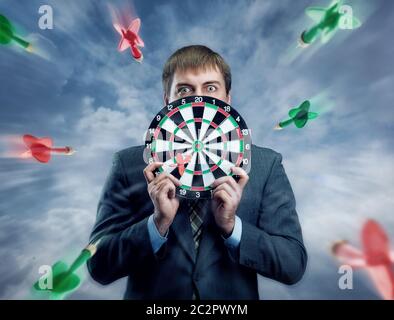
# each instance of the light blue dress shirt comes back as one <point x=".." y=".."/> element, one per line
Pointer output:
<point x="232" y="242"/>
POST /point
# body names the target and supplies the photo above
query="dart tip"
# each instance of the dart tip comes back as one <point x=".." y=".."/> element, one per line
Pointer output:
<point x="302" y="43"/>
<point x="92" y="248"/>
<point x="29" y="48"/>
<point x="70" y="151"/>
<point x="139" y="60"/>
<point x="278" y="127"/>
<point x="335" y="246"/>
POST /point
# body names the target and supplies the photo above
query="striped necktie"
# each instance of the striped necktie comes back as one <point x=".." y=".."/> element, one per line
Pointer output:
<point x="196" y="214"/>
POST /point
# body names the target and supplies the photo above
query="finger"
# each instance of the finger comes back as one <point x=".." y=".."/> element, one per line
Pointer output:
<point x="228" y="180"/>
<point x="167" y="176"/>
<point x="223" y="196"/>
<point x="162" y="183"/>
<point x="165" y="183"/>
<point x="166" y="190"/>
<point x="176" y="181"/>
<point x="155" y="185"/>
<point x="243" y="176"/>
<point x="149" y="169"/>
<point x="152" y="190"/>
<point x="159" y="178"/>
<point x="172" y="193"/>
<point x="231" y="192"/>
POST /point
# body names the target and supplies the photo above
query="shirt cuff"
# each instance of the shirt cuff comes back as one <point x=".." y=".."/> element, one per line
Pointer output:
<point x="156" y="239"/>
<point x="233" y="241"/>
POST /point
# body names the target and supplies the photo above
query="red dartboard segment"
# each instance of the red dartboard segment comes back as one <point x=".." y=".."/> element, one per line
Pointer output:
<point x="223" y="112"/>
<point x="213" y="125"/>
<point x="213" y="168"/>
<point x="240" y="136"/>
<point x="171" y="113"/>
<point x="239" y="160"/>
<point x="207" y="136"/>
<point x="198" y="104"/>
<point x="197" y="189"/>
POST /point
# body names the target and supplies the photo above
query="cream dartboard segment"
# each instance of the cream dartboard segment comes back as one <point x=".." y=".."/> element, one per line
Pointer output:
<point x="199" y="139"/>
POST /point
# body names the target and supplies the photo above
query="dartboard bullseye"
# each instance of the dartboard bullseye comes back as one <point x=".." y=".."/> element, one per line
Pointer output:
<point x="199" y="139"/>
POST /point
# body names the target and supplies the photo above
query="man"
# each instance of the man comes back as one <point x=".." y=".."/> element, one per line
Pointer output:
<point x="213" y="249"/>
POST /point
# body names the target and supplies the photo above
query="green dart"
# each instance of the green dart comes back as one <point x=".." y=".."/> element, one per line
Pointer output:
<point x="299" y="116"/>
<point x="64" y="278"/>
<point x="7" y="35"/>
<point x="328" y="21"/>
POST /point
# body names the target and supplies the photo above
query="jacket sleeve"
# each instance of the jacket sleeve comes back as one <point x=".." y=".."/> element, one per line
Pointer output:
<point x="125" y="244"/>
<point x="274" y="248"/>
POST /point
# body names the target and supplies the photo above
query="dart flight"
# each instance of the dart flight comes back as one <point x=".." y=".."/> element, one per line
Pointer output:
<point x="327" y="22"/>
<point x="375" y="257"/>
<point x="181" y="161"/>
<point x="7" y="35"/>
<point x="130" y="38"/>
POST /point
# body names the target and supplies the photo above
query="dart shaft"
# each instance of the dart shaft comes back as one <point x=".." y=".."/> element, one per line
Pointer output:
<point x="285" y="123"/>
<point x="21" y="42"/>
<point x="82" y="258"/>
<point x="60" y="150"/>
<point x="310" y="35"/>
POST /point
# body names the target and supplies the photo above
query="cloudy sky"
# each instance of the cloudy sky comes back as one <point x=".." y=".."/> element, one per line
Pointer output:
<point x="79" y="90"/>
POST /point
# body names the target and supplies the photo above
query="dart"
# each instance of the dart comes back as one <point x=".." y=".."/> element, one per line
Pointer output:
<point x="64" y="278"/>
<point x="327" y="22"/>
<point x="181" y="161"/>
<point x="375" y="257"/>
<point x="41" y="148"/>
<point x="130" y="38"/>
<point x="299" y="116"/>
<point x="7" y="35"/>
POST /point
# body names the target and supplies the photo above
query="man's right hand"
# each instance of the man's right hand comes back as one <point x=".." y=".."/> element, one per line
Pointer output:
<point x="162" y="191"/>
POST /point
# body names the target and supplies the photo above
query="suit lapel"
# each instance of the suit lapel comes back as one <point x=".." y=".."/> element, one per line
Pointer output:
<point x="210" y="237"/>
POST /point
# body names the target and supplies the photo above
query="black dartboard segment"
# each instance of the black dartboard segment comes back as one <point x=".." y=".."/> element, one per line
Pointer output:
<point x="199" y="139"/>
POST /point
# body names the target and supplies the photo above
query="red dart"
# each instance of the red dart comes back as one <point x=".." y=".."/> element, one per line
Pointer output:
<point x="41" y="148"/>
<point x="375" y="257"/>
<point x="181" y="161"/>
<point x="130" y="38"/>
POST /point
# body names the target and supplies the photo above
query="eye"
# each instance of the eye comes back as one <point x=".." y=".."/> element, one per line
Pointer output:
<point x="211" y="88"/>
<point x="184" y="90"/>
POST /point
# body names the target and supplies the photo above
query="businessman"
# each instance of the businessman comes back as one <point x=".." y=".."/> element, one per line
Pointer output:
<point x="171" y="248"/>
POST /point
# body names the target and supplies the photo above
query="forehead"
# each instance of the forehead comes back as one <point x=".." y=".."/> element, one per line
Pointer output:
<point x="198" y="76"/>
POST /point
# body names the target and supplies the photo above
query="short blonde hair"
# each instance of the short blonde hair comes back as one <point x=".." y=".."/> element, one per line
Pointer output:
<point x="194" y="57"/>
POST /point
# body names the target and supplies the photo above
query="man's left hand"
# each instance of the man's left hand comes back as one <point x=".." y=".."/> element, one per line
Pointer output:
<point x="226" y="197"/>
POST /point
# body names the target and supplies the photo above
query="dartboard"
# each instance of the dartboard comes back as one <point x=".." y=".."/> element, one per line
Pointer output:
<point x="199" y="139"/>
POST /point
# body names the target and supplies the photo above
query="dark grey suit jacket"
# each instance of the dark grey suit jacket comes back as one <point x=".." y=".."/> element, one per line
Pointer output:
<point x="271" y="242"/>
